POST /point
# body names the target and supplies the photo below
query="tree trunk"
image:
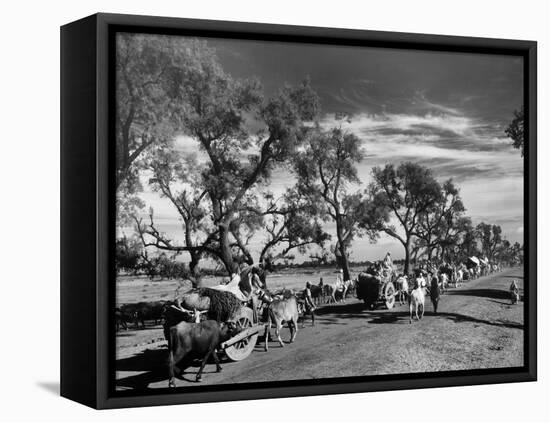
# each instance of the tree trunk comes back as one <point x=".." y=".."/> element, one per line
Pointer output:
<point x="226" y="256"/>
<point x="407" y="245"/>
<point x="195" y="276"/>
<point x="430" y="252"/>
<point x="344" y="262"/>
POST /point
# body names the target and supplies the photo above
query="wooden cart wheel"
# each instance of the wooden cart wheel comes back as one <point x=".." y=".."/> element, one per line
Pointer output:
<point x="389" y="294"/>
<point x="242" y="349"/>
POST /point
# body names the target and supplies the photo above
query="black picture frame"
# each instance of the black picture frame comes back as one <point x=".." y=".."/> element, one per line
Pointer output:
<point x="87" y="212"/>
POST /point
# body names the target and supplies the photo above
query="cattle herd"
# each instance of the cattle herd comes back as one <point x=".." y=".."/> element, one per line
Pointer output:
<point x="192" y="332"/>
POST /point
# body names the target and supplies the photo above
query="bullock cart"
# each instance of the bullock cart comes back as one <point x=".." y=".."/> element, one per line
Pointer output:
<point x="226" y="304"/>
<point x="375" y="289"/>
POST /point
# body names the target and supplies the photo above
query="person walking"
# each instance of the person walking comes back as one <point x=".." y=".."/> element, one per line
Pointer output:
<point x="308" y="305"/>
<point x="435" y="292"/>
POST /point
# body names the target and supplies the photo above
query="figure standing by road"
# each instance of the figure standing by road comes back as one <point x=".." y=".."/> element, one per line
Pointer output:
<point x="514" y="292"/>
<point x="435" y="292"/>
<point x="308" y="305"/>
<point x="388" y="263"/>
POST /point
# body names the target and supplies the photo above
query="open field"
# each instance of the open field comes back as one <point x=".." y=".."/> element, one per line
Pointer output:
<point x="135" y="289"/>
<point x="476" y="328"/>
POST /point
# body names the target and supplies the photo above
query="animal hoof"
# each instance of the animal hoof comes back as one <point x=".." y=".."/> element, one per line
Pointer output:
<point x="171" y="385"/>
<point x="219" y="369"/>
<point x="198" y="379"/>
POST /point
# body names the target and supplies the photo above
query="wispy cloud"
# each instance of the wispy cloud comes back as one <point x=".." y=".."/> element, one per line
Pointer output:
<point x="451" y="144"/>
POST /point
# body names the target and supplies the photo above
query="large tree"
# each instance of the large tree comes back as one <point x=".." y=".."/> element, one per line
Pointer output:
<point x="176" y="177"/>
<point x="325" y="168"/>
<point x="408" y="191"/>
<point x="292" y="224"/>
<point x="468" y="247"/>
<point x="490" y="237"/>
<point x="442" y="224"/>
<point x="515" y="130"/>
<point x="243" y="137"/>
<point x="146" y="72"/>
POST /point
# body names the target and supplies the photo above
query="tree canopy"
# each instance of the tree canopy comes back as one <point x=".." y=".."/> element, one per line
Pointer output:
<point x="442" y="224"/>
<point x="243" y="136"/>
<point x="326" y="168"/>
<point x="407" y="192"/>
<point x="515" y="131"/>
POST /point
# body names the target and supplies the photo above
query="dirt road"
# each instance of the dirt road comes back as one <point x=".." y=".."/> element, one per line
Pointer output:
<point x="476" y="327"/>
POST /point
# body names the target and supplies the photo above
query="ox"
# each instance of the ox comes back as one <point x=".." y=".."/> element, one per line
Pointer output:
<point x="317" y="292"/>
<point x="121" y="319"/>
<point x="443" y="282"/>
<point x="337" y="289"/>
<point x="280" y="311"/>
<point x="328" y="293"/>
<point x="402" y="283"/>
<point x="416" y="299"/>
<point x="140" y="312"/>
<point x="458" y="278"/>
<point x="198" y="339"/>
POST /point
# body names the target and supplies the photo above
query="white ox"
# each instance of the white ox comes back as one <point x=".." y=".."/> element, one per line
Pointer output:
<point x="417" y="299"/>
<point x="458" y="278"/>
<point x="402" y="283"/>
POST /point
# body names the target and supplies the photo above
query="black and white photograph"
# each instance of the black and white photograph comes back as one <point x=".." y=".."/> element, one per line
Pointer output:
<point x="295" y="211"/>
<point x="277" y="211"/>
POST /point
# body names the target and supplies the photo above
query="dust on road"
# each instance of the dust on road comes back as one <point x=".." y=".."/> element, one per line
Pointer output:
<point x="476" y="328"/>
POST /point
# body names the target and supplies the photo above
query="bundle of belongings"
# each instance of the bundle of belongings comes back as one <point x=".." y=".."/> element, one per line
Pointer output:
<point x="220" y="302"/>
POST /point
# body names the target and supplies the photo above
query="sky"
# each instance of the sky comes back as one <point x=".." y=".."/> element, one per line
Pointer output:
<point x="447" y="111"/>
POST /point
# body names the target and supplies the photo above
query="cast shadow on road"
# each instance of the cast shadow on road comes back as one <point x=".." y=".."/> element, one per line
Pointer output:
<point x="334" y="314"/>
<point x="403" y="317"/>
<point x="337" y="314"/>
<point x="498" y="294"/>
<point x="459" y="318"/>
<point x="154" y="368"/>
<point x="389" y="317"/>
<point x="507" y="302"/>
<point x="153" y="364"/>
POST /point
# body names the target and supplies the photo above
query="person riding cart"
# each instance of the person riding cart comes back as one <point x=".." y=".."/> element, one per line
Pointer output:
<point x="388" y="263"/>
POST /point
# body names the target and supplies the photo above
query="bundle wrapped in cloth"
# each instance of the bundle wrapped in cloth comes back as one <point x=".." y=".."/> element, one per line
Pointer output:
<point x="220" y="305"/>
<point x="223" y="304"/>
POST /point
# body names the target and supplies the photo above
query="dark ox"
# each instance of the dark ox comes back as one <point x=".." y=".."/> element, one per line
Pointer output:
<point x="121" y="319"/>
<point x="140" y="312"/>
<point x="317" y="292"/>
<point x="195" y="339"/>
